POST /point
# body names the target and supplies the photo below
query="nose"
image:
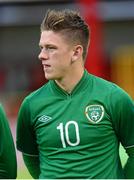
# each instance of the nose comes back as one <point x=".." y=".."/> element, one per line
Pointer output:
<point x="43" y="55"/>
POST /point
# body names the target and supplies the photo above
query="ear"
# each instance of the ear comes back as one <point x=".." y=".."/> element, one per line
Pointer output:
<point x="77" y="53"/>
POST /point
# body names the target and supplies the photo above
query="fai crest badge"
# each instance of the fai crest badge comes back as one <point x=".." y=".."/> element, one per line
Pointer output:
<point x="94" y="113"/>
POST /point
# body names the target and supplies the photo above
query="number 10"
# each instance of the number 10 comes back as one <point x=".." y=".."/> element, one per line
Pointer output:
<point x="66" y="135"/>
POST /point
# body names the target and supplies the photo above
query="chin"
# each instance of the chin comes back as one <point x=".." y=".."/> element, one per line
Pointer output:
<point x="49" y="77"/>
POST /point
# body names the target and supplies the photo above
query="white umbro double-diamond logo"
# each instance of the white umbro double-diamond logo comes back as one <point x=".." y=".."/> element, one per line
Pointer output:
<point x="44" y="118"/>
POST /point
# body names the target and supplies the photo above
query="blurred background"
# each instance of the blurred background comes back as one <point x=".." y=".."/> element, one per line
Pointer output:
<point x="111" y="51"/>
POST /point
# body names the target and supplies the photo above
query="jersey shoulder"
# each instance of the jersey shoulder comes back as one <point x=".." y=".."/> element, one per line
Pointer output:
<point x="105" y="84"/>
<point x="110" y="89"/>
<point x="39" y="93"/>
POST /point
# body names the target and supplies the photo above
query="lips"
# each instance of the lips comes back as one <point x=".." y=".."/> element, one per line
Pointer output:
<point x="46" y="65"/>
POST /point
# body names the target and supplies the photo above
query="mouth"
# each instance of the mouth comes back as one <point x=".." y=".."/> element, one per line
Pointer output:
<point x="46" y="67"/>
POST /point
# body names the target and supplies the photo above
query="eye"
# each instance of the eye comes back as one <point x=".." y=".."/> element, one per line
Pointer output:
<point x="40" y="47"/>
<point x="47" y="48"/>
<point x="50" y="47"/>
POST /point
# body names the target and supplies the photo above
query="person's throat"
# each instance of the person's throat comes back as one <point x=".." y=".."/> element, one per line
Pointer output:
<point x="64" y="87"/>
<point x="69" y="84"/>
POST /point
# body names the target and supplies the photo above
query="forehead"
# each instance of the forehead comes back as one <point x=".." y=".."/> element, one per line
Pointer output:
<point x="50" y="37"/>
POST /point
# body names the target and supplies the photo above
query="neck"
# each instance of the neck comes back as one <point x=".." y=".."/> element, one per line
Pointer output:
<point x="70" y="81"/>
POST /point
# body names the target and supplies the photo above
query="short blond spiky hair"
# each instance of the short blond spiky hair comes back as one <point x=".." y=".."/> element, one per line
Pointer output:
<point x="70" y="24"/>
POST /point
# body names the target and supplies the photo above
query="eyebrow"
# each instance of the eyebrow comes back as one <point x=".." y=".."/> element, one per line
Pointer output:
<point x="47" y="45"/>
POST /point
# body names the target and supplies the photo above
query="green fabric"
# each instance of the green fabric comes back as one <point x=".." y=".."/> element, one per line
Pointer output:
<point x="8" y="165"/>
<point x="129" y="167"/>
<point x="77" y="135"/>
<point x="32" y="164"/>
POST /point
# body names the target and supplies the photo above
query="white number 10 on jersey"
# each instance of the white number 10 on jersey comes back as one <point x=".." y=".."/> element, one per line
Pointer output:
<point x="64" y="133"/>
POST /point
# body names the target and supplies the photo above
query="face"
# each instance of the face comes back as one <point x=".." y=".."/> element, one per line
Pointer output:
<point x="55" y="55"/>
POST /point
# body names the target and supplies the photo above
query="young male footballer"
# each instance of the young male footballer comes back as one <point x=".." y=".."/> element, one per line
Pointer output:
<point x="72" y="126"/>
<point x="8" y="164"/>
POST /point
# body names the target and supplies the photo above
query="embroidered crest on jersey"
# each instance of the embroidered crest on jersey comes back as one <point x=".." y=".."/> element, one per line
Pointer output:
<point x="94" y="113"/>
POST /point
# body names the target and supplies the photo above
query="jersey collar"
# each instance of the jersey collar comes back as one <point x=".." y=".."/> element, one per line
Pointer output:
<point x="80" y="86"/>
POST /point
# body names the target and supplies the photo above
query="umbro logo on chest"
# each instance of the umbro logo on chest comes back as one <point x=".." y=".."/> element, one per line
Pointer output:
<point x="44" y="118"/>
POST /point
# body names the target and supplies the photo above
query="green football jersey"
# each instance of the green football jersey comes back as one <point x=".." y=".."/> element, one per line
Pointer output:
<point x="77" y="135"/>
<point x="8" y="164"/>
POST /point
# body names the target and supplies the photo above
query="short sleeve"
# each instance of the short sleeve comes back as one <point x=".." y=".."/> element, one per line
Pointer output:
<point x="122" y="112"/>
<point x="25" y="139"/>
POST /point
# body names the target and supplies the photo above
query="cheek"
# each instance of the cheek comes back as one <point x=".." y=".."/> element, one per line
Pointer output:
<point x="61" y="60"/>
<point x="66" y="58"/>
